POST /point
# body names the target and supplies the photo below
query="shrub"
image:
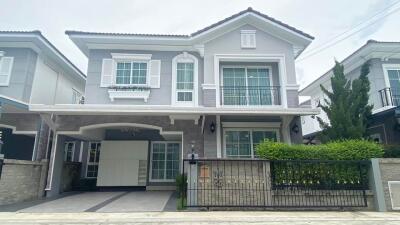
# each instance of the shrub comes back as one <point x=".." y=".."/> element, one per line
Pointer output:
<point x="337" y="150"/>
<point x="181" y="182"/>
<point x="392" y="151"/>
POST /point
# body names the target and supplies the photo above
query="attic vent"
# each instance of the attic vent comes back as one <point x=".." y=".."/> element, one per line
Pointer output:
<point x="248" y="38"/>
<point x="394" y="190"/>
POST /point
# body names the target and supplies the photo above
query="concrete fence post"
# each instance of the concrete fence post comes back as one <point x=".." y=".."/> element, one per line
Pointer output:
<point x="375" y="183"/>
<point x="192" y="181"/>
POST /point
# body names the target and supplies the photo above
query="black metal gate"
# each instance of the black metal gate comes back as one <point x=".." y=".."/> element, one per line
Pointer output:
<point x="280" y="184"/>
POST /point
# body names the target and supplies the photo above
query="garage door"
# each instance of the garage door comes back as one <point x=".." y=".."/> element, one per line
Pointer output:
<point x="122" y="163"/>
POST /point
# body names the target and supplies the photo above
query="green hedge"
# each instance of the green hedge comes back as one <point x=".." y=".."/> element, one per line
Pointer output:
<point x="392" y="151"/>
<point x="338" y="150"/>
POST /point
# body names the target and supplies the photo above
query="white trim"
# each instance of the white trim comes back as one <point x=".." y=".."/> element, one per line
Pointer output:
<point x="280" y="58"/>
<point x="209" y="86"/>
<point x="218" y="128"/>
<point x="250" y="130"/>
<point x="195" y="118"/>
<point x="165" y="161"/>
<point x="251" y="124"/>
<point x="81" y="152"/>
<point x="49" y="185"/>
<point x="107" y="109"/>
<point x="15" y="131"/>
<point x="294" y="87"/>
<point x="390" y="192"/>
<point x="9" y="72"/>
<point x="133" y="57"/>
<point x="185" y="58"/>
<point x="387" y="67"/>
<point x="73" y="151"/>
<point x="128" y="94"/>
<point x="88" y="158"/>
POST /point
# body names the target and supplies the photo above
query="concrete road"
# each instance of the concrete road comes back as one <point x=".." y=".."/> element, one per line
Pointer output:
<point x="206" y="218"/>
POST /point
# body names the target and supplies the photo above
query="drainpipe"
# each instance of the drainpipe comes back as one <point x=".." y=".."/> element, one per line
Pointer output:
<point x="1" y="156"/>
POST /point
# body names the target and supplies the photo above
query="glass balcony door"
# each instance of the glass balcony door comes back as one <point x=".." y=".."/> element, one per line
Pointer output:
<point x="246" y="86"/>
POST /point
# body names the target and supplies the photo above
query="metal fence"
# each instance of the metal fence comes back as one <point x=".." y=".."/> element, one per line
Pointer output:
<point x="250" y="95"/>
<point x="249" y="183"/>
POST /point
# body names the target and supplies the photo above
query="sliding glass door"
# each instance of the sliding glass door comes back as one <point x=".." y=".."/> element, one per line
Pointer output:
<point x="246" y="86"/>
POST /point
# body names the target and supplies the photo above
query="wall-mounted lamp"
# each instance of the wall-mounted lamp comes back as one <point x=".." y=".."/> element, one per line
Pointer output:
<point x="295" y="129"/>
<point x="212" y="127"/>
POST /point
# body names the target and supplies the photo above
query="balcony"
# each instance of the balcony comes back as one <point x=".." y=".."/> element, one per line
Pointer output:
<point x="250" y="95"/>
<point x="389" y="97"/>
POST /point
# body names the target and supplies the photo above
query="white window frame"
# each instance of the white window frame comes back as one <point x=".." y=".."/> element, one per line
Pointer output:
<point x="131" y="58"/>
<point x="387" y="67"/>
<point x="66" y="153"/>
<point x="269" y="68"/>
<point x="250" y="129"/>
<point x="185" y="58"/>
<point x="147" y="84"/>
<point x="7" y="83"/>
<point x="88" y="159"/>
<point x="165" y="171"/>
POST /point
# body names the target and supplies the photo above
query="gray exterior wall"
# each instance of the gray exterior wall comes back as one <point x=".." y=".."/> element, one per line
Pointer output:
<point x="229" y="43"/>
<point x="158" y="96"/>
<point x="22" y="73"/>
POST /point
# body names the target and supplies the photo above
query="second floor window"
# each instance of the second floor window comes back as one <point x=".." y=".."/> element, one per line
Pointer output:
<point x="394" y="80"/>
<point x="184" y="82"/>
<point x="247" y="86"/>
<point x="131" y="73"/>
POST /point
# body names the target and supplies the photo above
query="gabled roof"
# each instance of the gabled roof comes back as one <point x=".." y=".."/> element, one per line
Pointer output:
<point x="300" y="39"/>
<point x="36" y="41"/>
<point x="251" y="10"/>
<point x="371" y="49"/>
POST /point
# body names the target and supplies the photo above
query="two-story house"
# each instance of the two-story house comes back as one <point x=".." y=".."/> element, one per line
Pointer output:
<point x="152" y="99"/>
<point x="32" y="71"/>
<point x="384" y="77"/>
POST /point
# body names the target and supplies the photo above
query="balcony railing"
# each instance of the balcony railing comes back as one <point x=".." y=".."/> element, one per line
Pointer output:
<point x="250" y="95"/>
<point x="390" y="97"/>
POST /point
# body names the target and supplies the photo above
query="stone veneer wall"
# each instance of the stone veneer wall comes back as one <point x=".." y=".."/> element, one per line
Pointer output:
<point x="22" y="180"/>
<point x="70" y="175"/>
<point x="390" y="171"/>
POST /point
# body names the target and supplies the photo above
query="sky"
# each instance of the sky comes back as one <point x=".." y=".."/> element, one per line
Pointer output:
<point x="322" y="19"/>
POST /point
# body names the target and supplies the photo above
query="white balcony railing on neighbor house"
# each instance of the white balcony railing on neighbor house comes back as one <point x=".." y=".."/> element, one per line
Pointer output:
<point x="390" y="97"/>
<point x="250" y="95"/>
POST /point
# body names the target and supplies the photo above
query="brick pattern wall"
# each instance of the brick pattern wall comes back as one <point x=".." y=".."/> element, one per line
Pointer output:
<point x="390" y="171"/>
<point x="21" y="181"/>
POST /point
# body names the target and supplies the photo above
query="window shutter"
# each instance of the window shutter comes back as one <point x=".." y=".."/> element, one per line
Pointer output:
<point x="6" y="64"/>
<point x="155" y="70"/>
<point x="107" y="73"/>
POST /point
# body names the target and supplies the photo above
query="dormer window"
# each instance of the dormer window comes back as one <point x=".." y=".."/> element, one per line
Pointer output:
<point x="248" y="38"/>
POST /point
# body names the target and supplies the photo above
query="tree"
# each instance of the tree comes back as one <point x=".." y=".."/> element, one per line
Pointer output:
<point x="346" y="106"/>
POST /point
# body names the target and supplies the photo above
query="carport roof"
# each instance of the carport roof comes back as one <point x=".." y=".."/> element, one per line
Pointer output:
<point x="70" y="109"/>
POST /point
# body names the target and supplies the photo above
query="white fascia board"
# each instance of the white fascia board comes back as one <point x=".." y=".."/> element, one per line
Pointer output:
<point x="71" y="109"/>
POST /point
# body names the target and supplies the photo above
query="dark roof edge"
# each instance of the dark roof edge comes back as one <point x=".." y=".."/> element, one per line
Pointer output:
<point x="39" y="33"/>
<point x="248" y="10"/>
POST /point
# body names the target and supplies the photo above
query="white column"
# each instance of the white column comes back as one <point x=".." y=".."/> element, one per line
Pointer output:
<point x="192" y="182"/>
<point x="286" y="128"/>
<point x="218" y="133"/>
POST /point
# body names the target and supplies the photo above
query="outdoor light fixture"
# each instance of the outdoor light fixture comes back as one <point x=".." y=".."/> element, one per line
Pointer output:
<point x="295" y="129"/>
<point x="212" y="127"/>
<point x="192" y="155"/>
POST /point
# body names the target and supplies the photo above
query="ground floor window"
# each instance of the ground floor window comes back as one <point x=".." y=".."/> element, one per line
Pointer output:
<point x="164" y="161"/>
<point x="242" y="142"/>
<point x="93" y="159"/>
<point x="69" y="150"/>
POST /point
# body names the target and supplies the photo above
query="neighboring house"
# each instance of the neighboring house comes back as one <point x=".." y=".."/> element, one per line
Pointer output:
<point x="152" y="99"/>
<point x="32" y="71"/>
<point x="384" y="59"/>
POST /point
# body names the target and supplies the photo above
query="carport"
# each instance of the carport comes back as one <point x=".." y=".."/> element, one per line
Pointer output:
<point x="118" y="201"/>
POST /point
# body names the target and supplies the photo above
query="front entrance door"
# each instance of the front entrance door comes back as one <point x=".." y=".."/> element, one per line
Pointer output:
<point x="122" y="163"/>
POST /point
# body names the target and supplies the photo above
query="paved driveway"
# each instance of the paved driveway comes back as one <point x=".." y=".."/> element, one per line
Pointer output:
<point x="136" y="201"/>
